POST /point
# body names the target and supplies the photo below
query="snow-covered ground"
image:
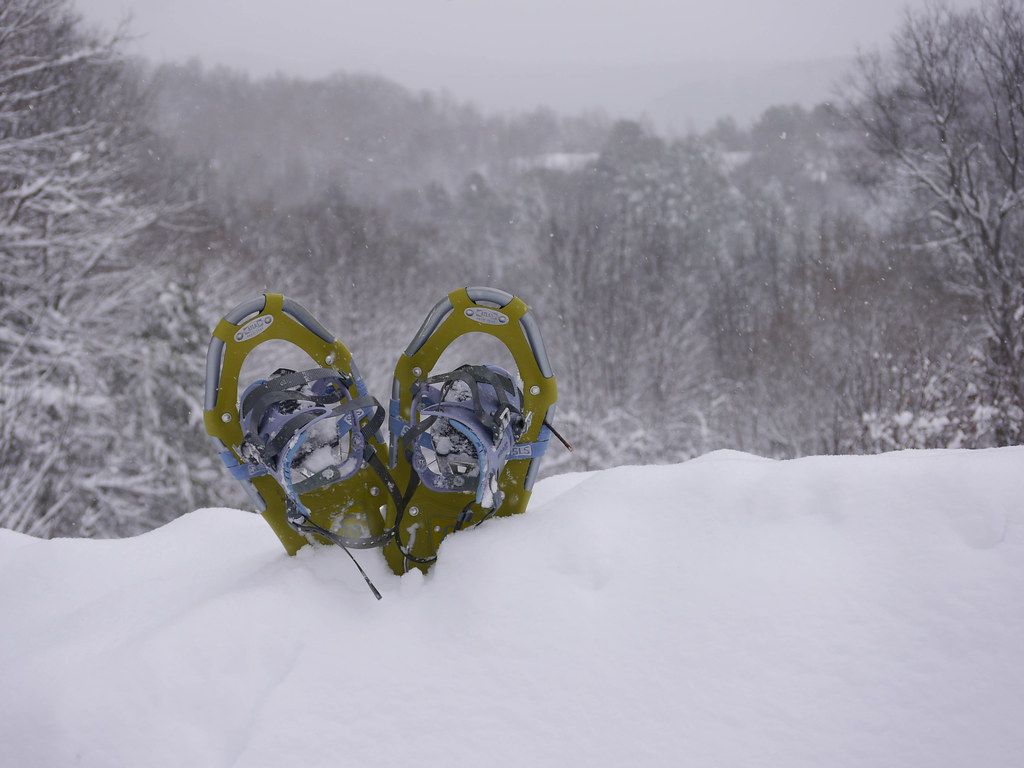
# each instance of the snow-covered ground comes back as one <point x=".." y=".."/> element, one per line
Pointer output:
<point x="730" y="611"/>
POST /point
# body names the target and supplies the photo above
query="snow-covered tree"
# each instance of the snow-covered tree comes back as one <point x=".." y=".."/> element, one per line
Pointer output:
<point x="946" y="108"/>
<point x="78" y="284"/>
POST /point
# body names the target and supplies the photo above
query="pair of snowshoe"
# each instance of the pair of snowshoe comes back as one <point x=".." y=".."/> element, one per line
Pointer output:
<point x="309" y="447"/>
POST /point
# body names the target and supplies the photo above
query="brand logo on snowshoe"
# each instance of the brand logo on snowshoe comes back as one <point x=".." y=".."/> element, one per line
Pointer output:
<point x="486" y="316"/>
<point x="254" y="328"/>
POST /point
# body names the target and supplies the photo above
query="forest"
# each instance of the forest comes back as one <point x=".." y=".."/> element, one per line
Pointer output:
<point x="847" y="279"/>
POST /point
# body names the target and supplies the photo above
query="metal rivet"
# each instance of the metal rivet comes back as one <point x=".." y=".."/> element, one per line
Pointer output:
<point x="534" y="390"/>
<point x="225" y="417"/>
<point x="330" y="359"/>
<point x="413" y="511"/>
<point x="437" y="529"/>
<point x="375" y="491"/>
<point x="417" y="371"/>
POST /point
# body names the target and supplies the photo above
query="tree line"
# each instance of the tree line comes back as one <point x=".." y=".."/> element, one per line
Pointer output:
<point x="845" y="279"/>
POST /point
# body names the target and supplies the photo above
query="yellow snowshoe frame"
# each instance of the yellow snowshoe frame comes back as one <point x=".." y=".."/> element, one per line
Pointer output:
<point x="431" y="515"/>
<point x="348" y="508"/>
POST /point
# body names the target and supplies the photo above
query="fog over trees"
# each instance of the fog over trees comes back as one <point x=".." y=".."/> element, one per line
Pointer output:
<point x="846" y="279"/>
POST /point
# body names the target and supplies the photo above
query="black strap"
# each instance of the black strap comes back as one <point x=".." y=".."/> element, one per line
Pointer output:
<point x="286" y="387"/>
<point x="300" y="420"/>
<point x="301" y="523"/>
<point x="473" y="376"/>
<point x="277" y="443"/>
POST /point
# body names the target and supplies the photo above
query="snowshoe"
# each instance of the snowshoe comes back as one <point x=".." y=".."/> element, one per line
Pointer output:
<point x="306" y="445"/>
<point x="465" y="445"/>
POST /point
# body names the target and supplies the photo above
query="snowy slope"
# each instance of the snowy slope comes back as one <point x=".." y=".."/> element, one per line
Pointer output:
<point x="730" y="611"/>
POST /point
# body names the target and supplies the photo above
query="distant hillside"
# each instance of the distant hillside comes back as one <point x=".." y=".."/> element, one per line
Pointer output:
<point x="743" y="91"/>
<point x="295" y="139"/>
<point x="677" y="97"/>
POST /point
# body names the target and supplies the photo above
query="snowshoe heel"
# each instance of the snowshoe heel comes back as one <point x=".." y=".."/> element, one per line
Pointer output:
<point x="306" y="445"/>
<point x="466" y="445"/>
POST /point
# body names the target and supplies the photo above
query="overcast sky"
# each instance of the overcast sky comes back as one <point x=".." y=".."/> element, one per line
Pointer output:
<point x="498" y="52"/>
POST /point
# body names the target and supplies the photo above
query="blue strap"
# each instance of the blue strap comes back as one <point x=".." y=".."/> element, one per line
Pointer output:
<point x="244" y="471"/>
<point x="532" y="450"/>
<point x="396" y="426"/>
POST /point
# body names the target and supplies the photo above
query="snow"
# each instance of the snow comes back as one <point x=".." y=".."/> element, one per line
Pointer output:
<point x="729" y="611"/>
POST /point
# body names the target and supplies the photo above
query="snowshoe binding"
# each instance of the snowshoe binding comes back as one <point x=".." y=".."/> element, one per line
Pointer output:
<point x="465" y="445"/>
<point x="306" y="445"/>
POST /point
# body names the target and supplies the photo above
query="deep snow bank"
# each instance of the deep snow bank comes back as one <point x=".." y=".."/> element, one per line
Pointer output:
<point x="730" y="611"/>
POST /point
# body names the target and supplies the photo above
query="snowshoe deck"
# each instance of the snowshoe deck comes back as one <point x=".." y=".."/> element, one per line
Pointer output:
<point x="465" y="445"/>
<point x="299" y="506"/>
